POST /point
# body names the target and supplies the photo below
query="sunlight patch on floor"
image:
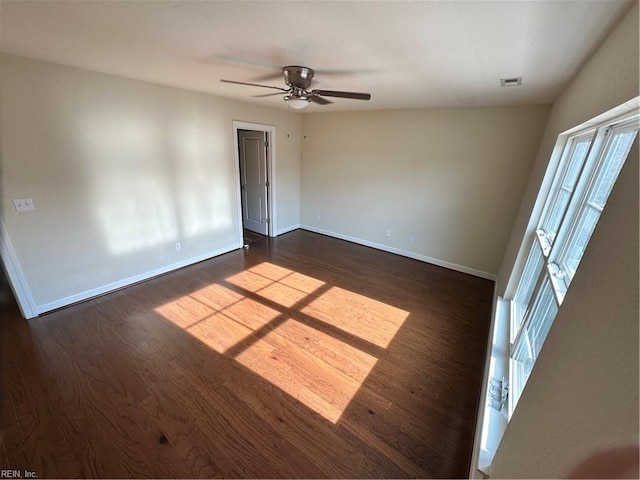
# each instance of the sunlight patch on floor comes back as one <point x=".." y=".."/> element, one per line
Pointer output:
<point x="269" y="270"/>
<point x="282" y="294"/>
<point x="302" y="282"/>
<point x="249" y="281"/>
<point x="217" y="297"/>
<point x="250" y="319"/>
<point x="303" y="371"/>
<point x="185" y="311"/>
<point x="358" y="315"/>
<point x="219" y="332"/>
<point x="277" y="284"/>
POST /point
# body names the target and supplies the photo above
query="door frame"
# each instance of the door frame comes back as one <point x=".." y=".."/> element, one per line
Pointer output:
<point x="270" y="131"/>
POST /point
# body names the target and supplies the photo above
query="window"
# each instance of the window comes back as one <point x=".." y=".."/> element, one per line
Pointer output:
<point x="589" y="166"/>
<point x="577" y="154"/>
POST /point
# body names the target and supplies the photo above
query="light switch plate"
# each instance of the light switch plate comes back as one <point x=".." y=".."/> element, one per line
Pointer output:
<point x="23" y="204"/>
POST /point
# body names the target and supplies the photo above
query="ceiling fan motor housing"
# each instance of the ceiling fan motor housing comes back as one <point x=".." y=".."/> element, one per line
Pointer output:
<point x="299" y="77"/>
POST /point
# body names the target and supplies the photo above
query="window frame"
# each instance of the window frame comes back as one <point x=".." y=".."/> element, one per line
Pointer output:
<point x="555" y="248"/>
<point x="605" y="139"/>
<point x="558" y="181"/>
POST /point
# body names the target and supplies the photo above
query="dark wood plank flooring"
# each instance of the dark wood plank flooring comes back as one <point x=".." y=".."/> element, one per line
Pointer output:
<point x="250" y="237"/>
<point x="302" y="357"/>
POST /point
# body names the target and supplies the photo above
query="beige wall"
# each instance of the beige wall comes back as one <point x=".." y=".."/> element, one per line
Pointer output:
<point x="583" y="392"/>
<point x="451" y="178"/>
<point x="121" y="170"/>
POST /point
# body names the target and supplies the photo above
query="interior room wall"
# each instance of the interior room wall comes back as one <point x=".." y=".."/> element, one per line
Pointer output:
<point x="446" y="183"/>
<point x="119" y="172"/>
<point x="582" y="395"/>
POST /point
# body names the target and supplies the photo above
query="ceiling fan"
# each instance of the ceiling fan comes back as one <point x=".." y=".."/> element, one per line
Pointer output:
<point x="298" y="80"/>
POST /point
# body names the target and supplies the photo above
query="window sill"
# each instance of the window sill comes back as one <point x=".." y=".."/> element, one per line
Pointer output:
<point x="494" y="422"/>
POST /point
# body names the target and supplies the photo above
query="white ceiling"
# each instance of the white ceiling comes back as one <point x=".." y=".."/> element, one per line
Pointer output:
<point x="406" y="54"/>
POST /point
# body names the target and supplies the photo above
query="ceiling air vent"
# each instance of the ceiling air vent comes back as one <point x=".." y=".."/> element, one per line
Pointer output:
<point x="511" y="82"/>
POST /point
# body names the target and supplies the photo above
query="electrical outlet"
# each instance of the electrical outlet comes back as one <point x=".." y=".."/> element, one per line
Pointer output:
<point x="318" y="217"/>
<point x="411" y="239"/>
<point x="178" y="247"/>
<point x="23" y="204"/>
<point x="387" y="233"/>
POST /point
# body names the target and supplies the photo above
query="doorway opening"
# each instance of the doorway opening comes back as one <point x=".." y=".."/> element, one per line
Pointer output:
<point x="254" y="151"/>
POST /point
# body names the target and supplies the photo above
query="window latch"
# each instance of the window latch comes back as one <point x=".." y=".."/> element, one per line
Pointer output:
<point x="498" y="393"/>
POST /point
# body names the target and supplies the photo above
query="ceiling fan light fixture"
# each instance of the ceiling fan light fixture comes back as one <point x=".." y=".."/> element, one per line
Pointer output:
<point x="298" y="102"/>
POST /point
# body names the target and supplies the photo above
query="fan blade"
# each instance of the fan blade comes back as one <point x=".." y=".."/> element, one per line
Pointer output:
<point x="266" y="95"/>
<point x="319" y="100"/>
<point x="270" y="76"/>
<point x="334" y="93"/>
<point x="255" y="85"/>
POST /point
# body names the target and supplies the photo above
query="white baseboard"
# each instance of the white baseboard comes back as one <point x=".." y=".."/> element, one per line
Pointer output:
<point x="404" y="253"/>
<point x="94" y="292"/>
<point x="288" y="229"/>
<point x="30" y="310"/>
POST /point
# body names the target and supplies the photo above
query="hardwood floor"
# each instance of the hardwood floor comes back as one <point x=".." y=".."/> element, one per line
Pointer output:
<point x="302" y="357"/>
<point x="250" y="237"/>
